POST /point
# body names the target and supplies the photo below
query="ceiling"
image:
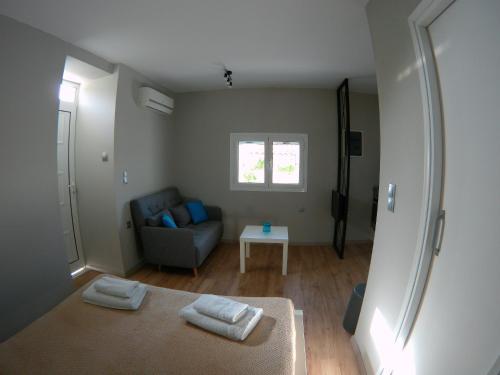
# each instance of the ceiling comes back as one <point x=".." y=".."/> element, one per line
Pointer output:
<point x="184" y="44"/>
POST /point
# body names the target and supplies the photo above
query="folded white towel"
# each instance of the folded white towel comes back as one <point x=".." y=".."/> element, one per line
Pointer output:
<point x="237" y="331"/>
<point x="221" y="308"/>
<point x="91" y="295"/>
<point x="116" y="287"/>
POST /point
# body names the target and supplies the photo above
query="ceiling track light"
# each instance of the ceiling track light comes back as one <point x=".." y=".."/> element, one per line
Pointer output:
<point x="228" y="77"/>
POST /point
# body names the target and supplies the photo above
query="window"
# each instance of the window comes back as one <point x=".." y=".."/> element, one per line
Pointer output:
<point x="67" y="92"/>
<point x="268" y="162"/>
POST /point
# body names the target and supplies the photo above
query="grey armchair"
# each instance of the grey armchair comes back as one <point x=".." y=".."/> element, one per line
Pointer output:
<point x="180" y="247"/>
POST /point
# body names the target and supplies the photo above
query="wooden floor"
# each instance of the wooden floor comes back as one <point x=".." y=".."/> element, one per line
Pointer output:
<point x="317" y="282"/>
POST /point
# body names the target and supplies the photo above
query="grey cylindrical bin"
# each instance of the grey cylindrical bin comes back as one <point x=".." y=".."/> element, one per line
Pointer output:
<point x="353" y="308"/>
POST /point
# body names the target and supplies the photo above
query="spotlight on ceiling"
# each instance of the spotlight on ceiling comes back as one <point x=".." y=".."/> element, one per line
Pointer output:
<point x="228" y="77"/>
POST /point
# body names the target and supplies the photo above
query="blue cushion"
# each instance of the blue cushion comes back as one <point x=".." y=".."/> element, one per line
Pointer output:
<point x="168" y="221"/>
<point x="197" y="212"/>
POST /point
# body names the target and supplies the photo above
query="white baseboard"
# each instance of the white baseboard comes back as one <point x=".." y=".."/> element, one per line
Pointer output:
<point x="300" y="347"/>
<point x="359" y="357"/>
<point x="236" y="242"/>
<point x="78" y="272"/>
<point x="102" y="270"/>
<point x="135" y="268"/>
<point x="305" y="243"/>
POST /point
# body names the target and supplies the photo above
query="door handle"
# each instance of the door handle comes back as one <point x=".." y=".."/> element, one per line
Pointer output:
<point x="438" y="232"/>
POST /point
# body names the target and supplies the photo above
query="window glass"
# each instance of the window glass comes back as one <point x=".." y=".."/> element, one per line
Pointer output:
<point x="67" y="93"/>
<point x="251" y="162"/>
<point x="286" y="162"/>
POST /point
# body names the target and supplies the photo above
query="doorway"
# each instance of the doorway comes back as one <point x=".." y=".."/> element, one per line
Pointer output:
<point x="459" y="92"/>
<point x="465" y="44"/>
<point x="66" y="130"/>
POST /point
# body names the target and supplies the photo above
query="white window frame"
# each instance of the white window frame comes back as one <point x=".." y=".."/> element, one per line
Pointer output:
<point x="268" y="139"/>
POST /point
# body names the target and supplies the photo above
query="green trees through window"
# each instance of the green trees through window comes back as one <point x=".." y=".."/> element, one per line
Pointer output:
<point x="250" y="176"/>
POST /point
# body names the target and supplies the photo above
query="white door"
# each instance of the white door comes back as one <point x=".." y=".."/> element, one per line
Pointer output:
<point x="458" y="327"/>
<point x="66" y="181"/>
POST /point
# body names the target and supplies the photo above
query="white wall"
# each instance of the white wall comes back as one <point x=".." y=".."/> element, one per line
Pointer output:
<point x="203" y="123"/>
<point x="402" y="162"/>
<point x="144" y="144"/>
<point x="95" y="134"/>
<point x="135" y="139"/>
<point x="364" y="170"/>
<point x="34" y="274"/>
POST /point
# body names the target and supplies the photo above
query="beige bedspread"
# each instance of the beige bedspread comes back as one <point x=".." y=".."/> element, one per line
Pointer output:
<point x="79" y="338"/>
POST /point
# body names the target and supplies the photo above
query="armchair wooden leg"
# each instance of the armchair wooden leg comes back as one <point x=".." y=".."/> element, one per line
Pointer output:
<point x="159" y="267"/>
<point x="195" y="272"/>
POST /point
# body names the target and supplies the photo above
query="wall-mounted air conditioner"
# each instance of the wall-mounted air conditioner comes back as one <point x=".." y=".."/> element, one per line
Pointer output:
<point x="152" y="99"/>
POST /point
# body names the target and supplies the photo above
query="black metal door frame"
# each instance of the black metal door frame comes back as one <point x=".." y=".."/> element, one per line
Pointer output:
<point x="343" y="169"/>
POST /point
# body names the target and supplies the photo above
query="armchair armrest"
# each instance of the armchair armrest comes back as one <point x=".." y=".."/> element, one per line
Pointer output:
<point x="214" y="213"/>
<point x="168" y="246"/>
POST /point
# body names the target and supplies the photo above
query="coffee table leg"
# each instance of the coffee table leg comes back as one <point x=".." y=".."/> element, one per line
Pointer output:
<point x="285" y="257"/>
<point x="242" y="256"/>
<point x="247" y="249"/>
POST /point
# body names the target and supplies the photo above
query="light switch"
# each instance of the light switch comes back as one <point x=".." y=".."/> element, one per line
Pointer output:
<point x="391" y="197"/>
<point x="125" y="177"/>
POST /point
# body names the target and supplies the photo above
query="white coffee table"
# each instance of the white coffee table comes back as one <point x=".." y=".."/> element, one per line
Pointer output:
<point x="254" y="234"/>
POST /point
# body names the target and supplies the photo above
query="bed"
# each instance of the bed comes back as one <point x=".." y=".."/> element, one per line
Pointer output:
<point x="76" y="338"/>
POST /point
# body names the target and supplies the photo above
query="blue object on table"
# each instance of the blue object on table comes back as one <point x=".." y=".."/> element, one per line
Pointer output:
<point x="266" y="227"/>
